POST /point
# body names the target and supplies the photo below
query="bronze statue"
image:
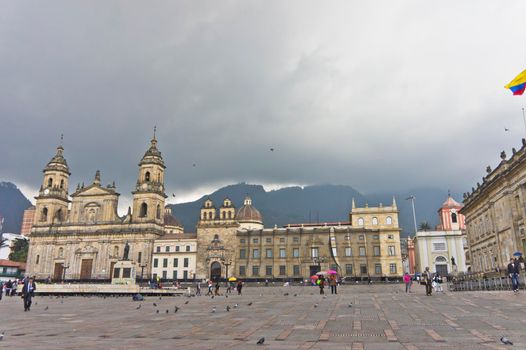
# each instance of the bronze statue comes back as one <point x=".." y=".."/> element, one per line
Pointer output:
<point x="126" y="251"/>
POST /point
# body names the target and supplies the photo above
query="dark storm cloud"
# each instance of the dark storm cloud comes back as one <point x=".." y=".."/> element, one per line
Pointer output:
<point x="382" y="96"/>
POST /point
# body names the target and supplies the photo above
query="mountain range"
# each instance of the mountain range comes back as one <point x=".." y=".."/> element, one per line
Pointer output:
<point x="289" y="205"/>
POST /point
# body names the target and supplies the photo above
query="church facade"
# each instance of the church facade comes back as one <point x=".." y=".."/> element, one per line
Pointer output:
<point x="81" y="236"/>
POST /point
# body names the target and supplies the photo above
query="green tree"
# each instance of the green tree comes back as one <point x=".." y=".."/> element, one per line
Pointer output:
<point x="424" y="226"/>
<point x="19" y="250"/>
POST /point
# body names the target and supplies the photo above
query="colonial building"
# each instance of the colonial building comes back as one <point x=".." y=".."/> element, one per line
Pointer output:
<point x="366" y="246"/>
<point x="174" y="257"/>
<point x="442" y="250"/>
<point x="27" y="221"/>
<point x="82" y="236"/>
<point x="495" y="213"/>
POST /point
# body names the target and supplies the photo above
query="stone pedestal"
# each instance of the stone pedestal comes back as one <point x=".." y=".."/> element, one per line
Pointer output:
<point x="124" y="272"/>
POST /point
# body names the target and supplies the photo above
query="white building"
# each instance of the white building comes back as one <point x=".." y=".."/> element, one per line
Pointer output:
<point x="174" y="257"/>
<point x="11" y="238"/>
<point x="442" y="250"/>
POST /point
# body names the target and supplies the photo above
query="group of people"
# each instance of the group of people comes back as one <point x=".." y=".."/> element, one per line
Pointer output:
<point x="28" y="290"/>
<point x="429" y="279"/>
<point x="332" y="282"/>
<point x="213" y="289"/>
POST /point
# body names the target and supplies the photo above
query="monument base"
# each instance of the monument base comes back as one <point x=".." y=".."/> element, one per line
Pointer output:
<point x="124" y="272"/>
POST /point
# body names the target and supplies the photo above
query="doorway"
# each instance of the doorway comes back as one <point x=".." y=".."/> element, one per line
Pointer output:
<point x="85" y="269"/>
<point x="215" y="271"/>
<point x="58" y="272"/>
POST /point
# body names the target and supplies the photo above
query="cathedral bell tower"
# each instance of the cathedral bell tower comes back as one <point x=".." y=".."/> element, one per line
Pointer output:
<point x="52" y="200"/>
<point x="149" y="196"/>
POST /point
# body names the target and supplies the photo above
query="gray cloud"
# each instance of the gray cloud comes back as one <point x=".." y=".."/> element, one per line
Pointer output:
<point x="382" y="96"/>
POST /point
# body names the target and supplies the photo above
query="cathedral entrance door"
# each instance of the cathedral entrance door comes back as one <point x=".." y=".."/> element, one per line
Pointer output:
<point x="215" y="271"/>
<point x="85" y="269"/>
<point x="57" y="273"/>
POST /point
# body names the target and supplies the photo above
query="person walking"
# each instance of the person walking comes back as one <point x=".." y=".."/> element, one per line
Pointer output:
<point x="438" y="283"/>
<point x="408" y="282"/>
<point x="8" y="286"/>
<point x="321" y="284"/>
<point x="198" y="289"/>
<point x="428" y="280"/>
<point x="28" y="291"/>
<point x="513" y="271"/>
<point x="217" y="288"/>
<point x="333" y="283"/>
<point x="239" y="287"/>
<point x="1" y="289"/>
<point x="209" y="288"/>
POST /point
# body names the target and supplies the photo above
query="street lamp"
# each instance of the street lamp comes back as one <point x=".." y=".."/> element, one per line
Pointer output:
<point x="64" y="268"/>
<point x="142" y="270"/>
<point x="412" y="198"/>
<point x="318" y="260"/>
<point x="227" y="263"/>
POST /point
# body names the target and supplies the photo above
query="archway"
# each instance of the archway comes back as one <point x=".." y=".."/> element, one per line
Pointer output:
<point x="441" y="265"/>
<point x="215" y="271"/>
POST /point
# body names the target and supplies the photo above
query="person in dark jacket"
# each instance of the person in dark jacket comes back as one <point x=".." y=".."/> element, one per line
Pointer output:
<point x="28" y="291"/>
<point x="513" y="272"/>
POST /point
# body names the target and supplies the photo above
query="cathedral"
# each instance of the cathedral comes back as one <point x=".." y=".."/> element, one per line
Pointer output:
<point x="81" y="236"/>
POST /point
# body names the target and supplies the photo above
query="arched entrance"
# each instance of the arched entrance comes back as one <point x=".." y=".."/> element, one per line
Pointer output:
<point x="441" y="265"/>
<point x="215" y="271"/>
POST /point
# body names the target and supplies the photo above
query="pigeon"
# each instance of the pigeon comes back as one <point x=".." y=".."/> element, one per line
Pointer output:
<point x="47" y="307"/>
<point x="226" y="296"/>
<point x="2" y="335"/>
<point x="160" y="298"/>
<point x="213" y="309"/>
<point x="261" y="341"/>
<point x="286" y="294"/>
<point x="249" y="304"/>
<point x="154" y="304"/>
<point x="138" y="307"/>
<point x="36" y="303"/>
<point x="315" y="305"/>
<point x="228" y="308"/>
<point x="176" y="309"/>
<point x="157" y="311"/>
<point x="212" y="297"/>
<point x="167" y="311"/>
<point x="295" y="295"/>
<point x="506" y="341"/>
<point x="236" y="306"/>
<point x="186" y="302"/>
<point x="350" y="305"/>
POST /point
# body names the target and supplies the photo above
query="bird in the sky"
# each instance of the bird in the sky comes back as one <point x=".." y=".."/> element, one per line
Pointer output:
<point x="261" y="341"/>
<point x="506" y="129"/>
<point x="271" y="149"/>
<point x="193" y="165"/>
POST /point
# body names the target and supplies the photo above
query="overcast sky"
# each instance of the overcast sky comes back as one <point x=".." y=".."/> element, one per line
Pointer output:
<point x="379" y="95"/>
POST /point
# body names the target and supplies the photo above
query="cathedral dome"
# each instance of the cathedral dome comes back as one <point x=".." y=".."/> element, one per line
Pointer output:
<point x="170" y="219"/>
<point x="248" y="213"/>
<point x="58" y="162"/>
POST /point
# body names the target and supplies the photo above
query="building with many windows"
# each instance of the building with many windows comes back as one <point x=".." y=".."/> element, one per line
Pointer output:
<point x="27" y="221"/>
<point x="495" y="214"/>
<point x="174" y="257"/>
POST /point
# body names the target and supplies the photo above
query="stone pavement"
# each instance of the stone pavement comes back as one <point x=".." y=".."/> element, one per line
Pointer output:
<point x="381" y="317"/>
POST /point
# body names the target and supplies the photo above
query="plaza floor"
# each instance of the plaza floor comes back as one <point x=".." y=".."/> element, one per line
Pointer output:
<point x="381" y="317"/>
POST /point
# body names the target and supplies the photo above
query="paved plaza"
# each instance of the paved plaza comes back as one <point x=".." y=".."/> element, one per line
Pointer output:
<point x="381" y="317"/>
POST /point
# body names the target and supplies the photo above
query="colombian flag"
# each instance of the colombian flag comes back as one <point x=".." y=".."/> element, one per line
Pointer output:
<point x="518" y="84"/>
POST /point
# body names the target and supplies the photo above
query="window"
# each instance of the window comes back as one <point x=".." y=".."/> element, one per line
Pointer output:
<point x="282" y="253"/>
<point x="375" y="221"/>
<point x="242" y="241"/>
<point x="165" y="262"/>
<point x="157" y="249"/>
<point x="177" y="248"/>
<point x="268" y="270"/>
<point x="334" y="251"/>
<point x="255" y="241"/>
<point x="158" y="211"/>
<point x="167" y="248"/>
<point x="50" y="183"/>
<point x="314" y="252"/>
<point x="282" y="240"/>
<point x="242" y="271"/>
<point x="348" y="251"/>
<point x="268" y="253"/>
<point x="61" y="184"/>
<point x="361" y="237"/>
<point x="185" y="262"/>
<point x="439" y="246"/>
<point x="390" y="237"/>
<point x="268" y="240"/>
<point x="296" y="270"/>
<point x="175" y="274"/>
<point x="363" y="269"/>
<point x="38" y="259"/>
<point x="295" y="239"/>
<point x="282" y="270"/>
<point x="147" y="176"/>
<point x="376" y="237"/>
<point x="255" y="270"/>
<point x="165" y="275"/>
<point x="391" y="250"/>
<point x="454" y="218"/>
<point x="43" y="215"/>
<point x="378" y="269"/>
<point x="61" y="252"/>
<point x="185" y="275"/>
<point x="187" y="248"/>
<point x="376" y="250"/>
<point x="360" y="222"/>
<point x="392" y="268"/>
<point x="348" y="269"/>
<point x="176" y="262"/>
<point x="155" y="262"/>
<point x="242" y="254"/>
<point x="296" y="252"/>
<point x="139" y="257"/>
<point x="255" y="253"/>
<point x="389" y="220"/>
<point x="144" y="210"/>
<point x="362" y="251"/>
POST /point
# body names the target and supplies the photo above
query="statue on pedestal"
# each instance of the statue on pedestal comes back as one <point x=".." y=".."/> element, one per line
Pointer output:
<point x="126" y="251"/>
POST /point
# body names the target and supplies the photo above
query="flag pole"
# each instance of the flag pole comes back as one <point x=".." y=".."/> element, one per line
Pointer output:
<point x="524" y="118"/>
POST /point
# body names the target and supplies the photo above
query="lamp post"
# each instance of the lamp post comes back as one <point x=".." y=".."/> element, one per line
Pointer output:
<point x="318" y="260"/>
<point x="142" y="269"/>
<point x="227" y="263"/>
<point x="412" y="199"/>
<point x="64" y="268"/>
